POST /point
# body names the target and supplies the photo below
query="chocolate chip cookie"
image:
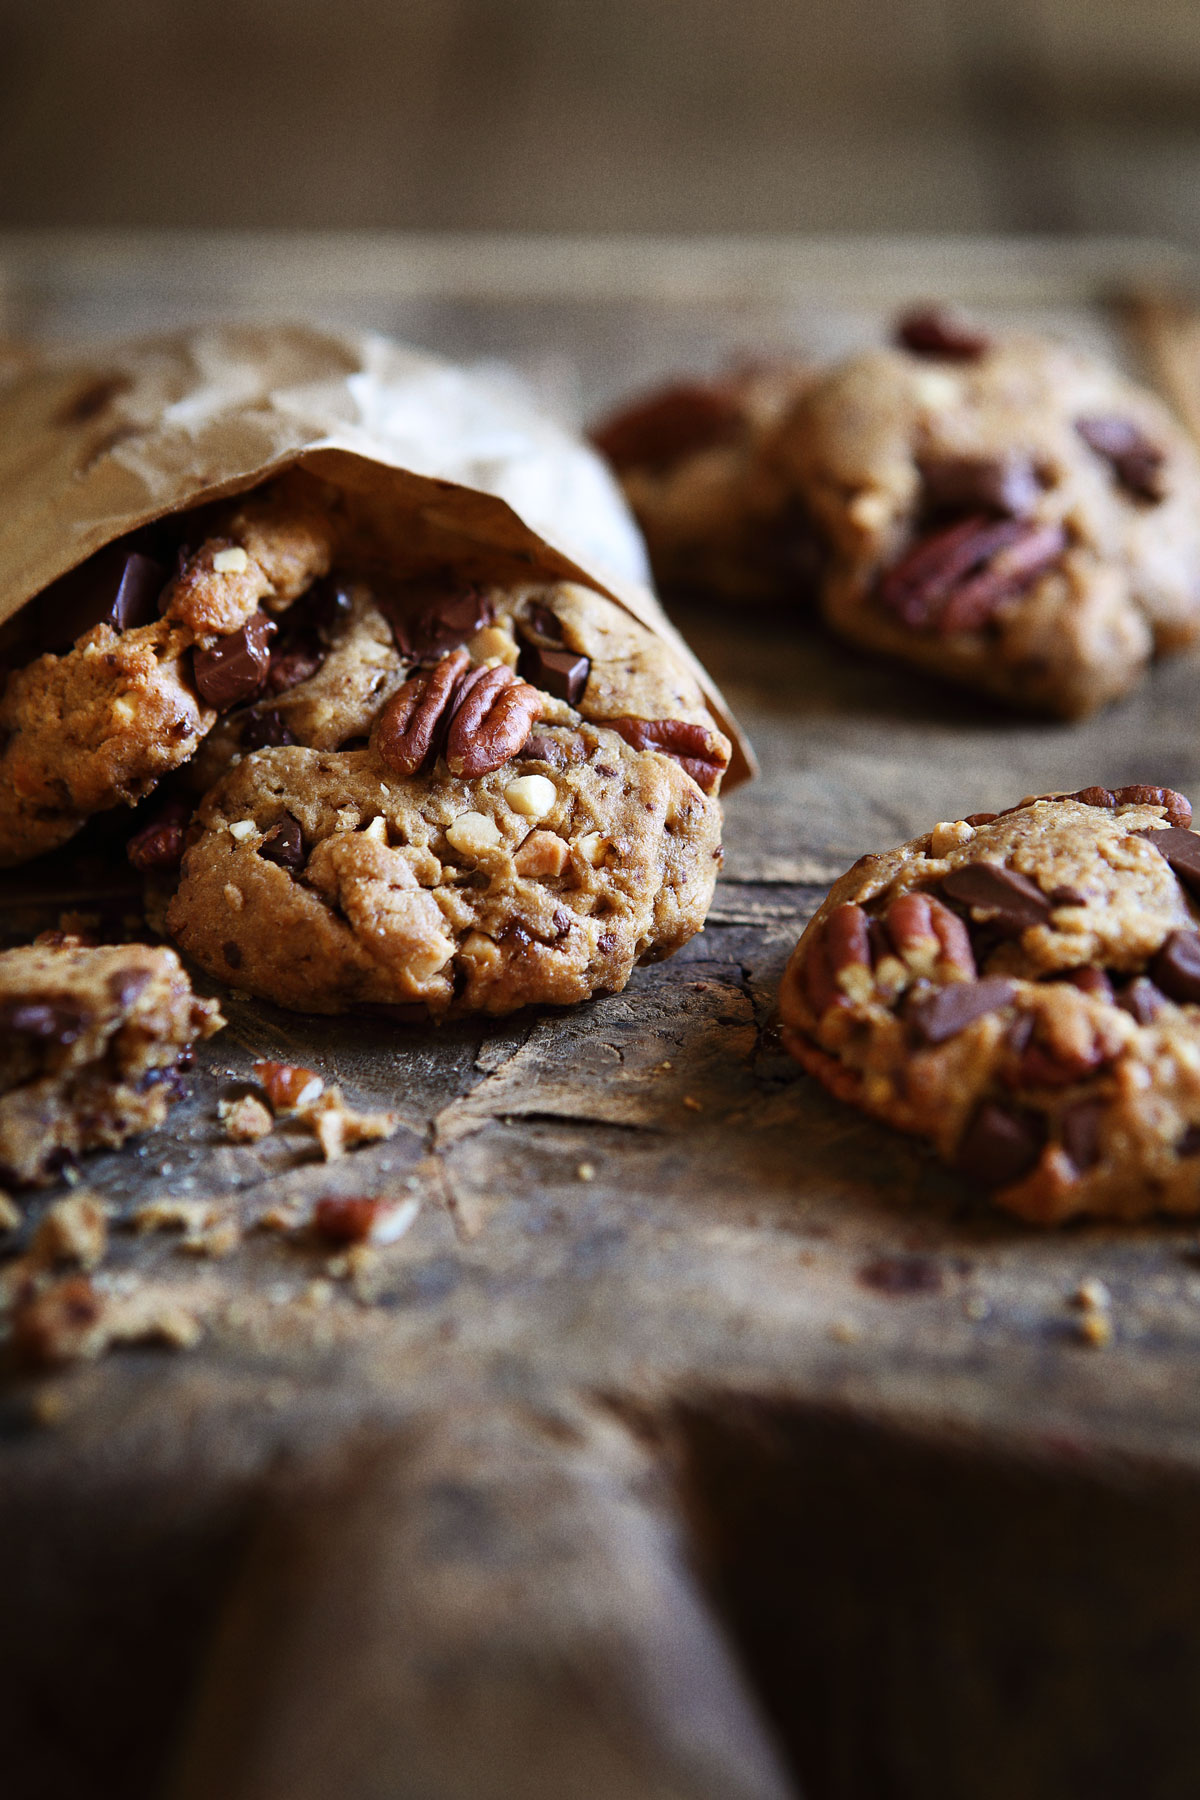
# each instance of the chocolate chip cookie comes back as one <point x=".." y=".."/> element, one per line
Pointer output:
<point x="1023" y="991"/>
<point x="695" y="460"/>
<point x="534" y="812"/>
<point x="119" y="671"/>
<point x="91" y="1042"/>
<point x="1009" y="513"/>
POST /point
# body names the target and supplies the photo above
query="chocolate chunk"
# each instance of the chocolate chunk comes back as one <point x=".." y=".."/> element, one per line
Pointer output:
<point x="1001" y="1144"/>
<point x="53" y="1021"/>
<point x="902" y="1275"/>
<point x="676" y="422"/>
<point x="284" y="844"/>
<point x="1091" y="981"/>
<point x="1135" y="461"/>
<point x="429" y="617"/>
<point x="1007" y="485"/>
<point x="943" y="1015"/>
<point x="932" y="331"/>
<point x="541" y="625"/>
<point x="118" y="587"/>
<point x="159" y="845"/>
<point x="1188" y="1143"/>
<point x="1181" y="849"/>
<point x="540" y="747"/>
<point x="235" y="669"/>
<point x="126" y="984"/>
<point x="563" y="673"/>
<point x="1010" y="902"/>
<point x="1141" y="1000"/>
<point x="1176" y="968"/>
<point x="1067" y="896"/>
<point x="265" y="731"/>
<point x="1079" y="1131"/>
<point x="232" y="954"/>
<point x="288" y="668"/>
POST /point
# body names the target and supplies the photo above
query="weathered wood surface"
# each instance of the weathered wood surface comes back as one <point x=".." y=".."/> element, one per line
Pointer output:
<point x="567" y="1489"/>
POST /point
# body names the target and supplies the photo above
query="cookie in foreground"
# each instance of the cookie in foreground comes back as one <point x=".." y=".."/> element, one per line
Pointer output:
<point x="91" y="1041"/>
<point x="1022" y="990"/>
<point x="533" y="813"/>
<point x="1009" y="513"/>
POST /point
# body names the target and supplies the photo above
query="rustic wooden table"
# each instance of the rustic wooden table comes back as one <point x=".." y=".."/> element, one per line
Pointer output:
<point x="764" y="1460"/>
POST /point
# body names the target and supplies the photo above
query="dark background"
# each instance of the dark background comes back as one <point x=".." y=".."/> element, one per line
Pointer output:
<point x="694" y="115"/>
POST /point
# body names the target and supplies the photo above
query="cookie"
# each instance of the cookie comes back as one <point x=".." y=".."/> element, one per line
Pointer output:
<point x="138" y="663"/>
<point x="1010" y="514"/>
<point x="1023" y="991"/>
<point x="91" y="1041"/>
<point x="535" y="812"/>
<point x="695" y="461"/>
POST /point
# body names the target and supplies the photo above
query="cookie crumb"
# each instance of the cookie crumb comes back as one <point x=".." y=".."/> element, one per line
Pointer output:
<point x="74" y="1230"/>
<point x="692" y="1104"/>
<point x="845" y="1331"/>
<point x="338" y="1127"/>
<point x="246" y="1120"/>
<point x="1095" y="1329"/>
<point x="586" y="1171"/>
<point x="10" y="1215"/>
<point x="1092" y="1295"/>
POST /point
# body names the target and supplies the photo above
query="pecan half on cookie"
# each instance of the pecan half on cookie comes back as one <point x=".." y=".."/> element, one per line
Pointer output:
<point x="1007" y="513"/>
<point x="1022" y="990"/>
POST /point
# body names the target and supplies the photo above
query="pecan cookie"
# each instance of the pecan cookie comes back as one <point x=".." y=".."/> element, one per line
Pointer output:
<point x="695" y="460"/>
<point x="1023" y="990"/>
<point x="533" y="814"/>
<point x="91" y="1039"/>
<point x="1011" y="514"/>
<point x="119" y="671"/>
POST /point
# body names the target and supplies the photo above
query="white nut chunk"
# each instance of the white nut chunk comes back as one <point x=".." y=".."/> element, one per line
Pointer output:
<point x="472" y="833"/>
<point x="231" y="562"/>
<point x="241" y="829"/>
<point x="543" y="853"/>
<point x="533" y="795"/>
<point x="593" y="848"/>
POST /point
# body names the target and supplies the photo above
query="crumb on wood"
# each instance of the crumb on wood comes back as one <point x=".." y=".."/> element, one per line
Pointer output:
<point x="246" y="1119"/>
<point x="358" y="1219"/>
<point x="338" y="1127"/>
<point x="1092" y="1295"/>
<point x="72" y="1321"/>
<point x="74" y="1230"/>
<point x="1095" y="1329"/>
<point x="288" y="1087"/>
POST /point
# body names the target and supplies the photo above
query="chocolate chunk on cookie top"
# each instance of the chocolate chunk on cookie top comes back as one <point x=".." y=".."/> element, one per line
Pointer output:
<point x="91" y="1039"/>
<point x="502" y="838"/>
<point x="1005" y="512"/>
<point x="1023" y="991"/>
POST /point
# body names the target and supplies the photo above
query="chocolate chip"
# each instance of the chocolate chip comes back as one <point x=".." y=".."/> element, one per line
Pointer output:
<point x="235" y="668"/>
<point x="429" y="617"/>
<point x="943" y="1015"/>
<point x="1181" y="849"/>
<point x="159" y="845"/>
<point x="902" y="1275"/>
<point x="561" y="922"/>
<point x="1020" y="1032"/>
<point x="539" y="623"/>
<point x="1067" y="896"/>
<point x="1141" y="1000"/>
<point x="125" y="985"/>
<point x="932" y="331"/>
<point x="1176" y="968"/>
<point x="1007" y="485"/>
<point x="1001" y="1144"/>
<point x="1010" y="901"/>
<point x="606" y="943"/>
<point x="1135" y="461"/>
<point x="265" y="731"/>
<point x="284" y="844"/>
<point x="1189" y="1143"/>
<point x="118" y="587"/>
<point x="232" y="954"/>
<point x="1079" y="1131"/>
<point x="562" y="673"/>
<point x="1090" y="981"/>
<point x="290" y="667"/>
<point x="53" y="1021"/>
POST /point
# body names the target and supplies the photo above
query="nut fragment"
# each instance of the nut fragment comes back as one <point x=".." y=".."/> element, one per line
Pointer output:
<point x="701" y="753"/>
<point x="543" y="853"/>
<point x="493" y="713"/>
<point x="953" y="579"/>
<point x="287" y="1086"/>
<point x="934" y="331"/>
<point x="472" y="833"/>
<point x="159" y="845"/>
<point x="245" y="1119"/>
<point x="535" y="795"/>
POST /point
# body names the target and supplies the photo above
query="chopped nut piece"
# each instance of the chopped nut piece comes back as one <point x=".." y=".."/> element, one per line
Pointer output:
<point x="1092" y="1295"/>
<point x="338" y="1127"/>
<point x="174" y="1215"/>
<point x="1095" y="1329"/>
<point x="586" y="1171"/>
<point x="241" y="829"/>
<point x="472" y="833"/>
<point x="74" y="1230"/>
<point x="532" y="795"/>
<point x="219" y="1240"/>
<point x="288" y="1087"/>
<point x="593" y="848"/>
<point x="692" y="1104"/>
<point x="231" y="562"/>
<point x="362" y="1220"/>
<point x="543" y="853"/>
<point x="10" y="1217"/>
<point x="246" y="1119"/>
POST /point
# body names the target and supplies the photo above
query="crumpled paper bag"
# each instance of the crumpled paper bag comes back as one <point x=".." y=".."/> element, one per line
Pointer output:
<point x="97" y="442"/>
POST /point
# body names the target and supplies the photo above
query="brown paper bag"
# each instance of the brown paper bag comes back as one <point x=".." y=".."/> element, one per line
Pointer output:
<point x="95" y="443"/>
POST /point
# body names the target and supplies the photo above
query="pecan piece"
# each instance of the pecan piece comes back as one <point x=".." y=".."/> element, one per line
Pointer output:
<point x="159" y="845"/>
<point x="667" y="426"/>
<point x="288" y="1087"/>
<point x="409" y="728"/>
<point x="701" y="753"/>
<point x="955" y="578"/>
<point x="493" y="713"/>
<point x="933" y="331"/>
<point x="838" y="966"/>
<point x="1134" y="460"/>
